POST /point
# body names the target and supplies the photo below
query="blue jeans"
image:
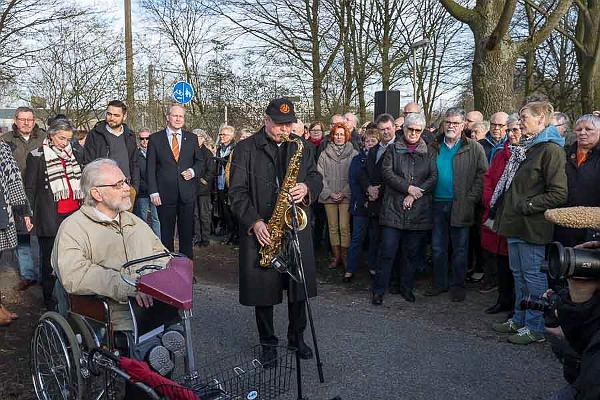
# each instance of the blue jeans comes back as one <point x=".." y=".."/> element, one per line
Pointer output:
<point x="142" y="208"/>
<point x="411" y="242"/>
<point x="441" y="235"/>
<point x="525" y="260"/>
<point x="360" y="227"/>
<point x="28" y="255"/>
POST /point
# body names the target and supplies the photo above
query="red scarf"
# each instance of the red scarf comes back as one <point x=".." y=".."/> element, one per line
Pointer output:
<point x="315" y="142"/>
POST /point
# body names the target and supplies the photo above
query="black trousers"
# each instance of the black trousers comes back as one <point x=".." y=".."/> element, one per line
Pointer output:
<point x="506" y="282"/>
<point x="47" y="279"/>
<point x="296" y="324"/>
<point x="228" y="220"/>
<point x="497" y="270"/>
<point x="182" y="215"/>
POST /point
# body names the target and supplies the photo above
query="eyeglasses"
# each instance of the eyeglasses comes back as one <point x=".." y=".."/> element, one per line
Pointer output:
<point x="117" y="185"/>
<point x="450" y="123"/>
<point x="30" y="120"/>
<point x="516" y="129"/>
<point x="497" y="125"/>
<point x="410" y="130"/>
<point x="144" y="138"/>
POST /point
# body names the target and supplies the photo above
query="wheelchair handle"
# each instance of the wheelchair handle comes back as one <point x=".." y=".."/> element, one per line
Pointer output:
<point x="149" y="258"/>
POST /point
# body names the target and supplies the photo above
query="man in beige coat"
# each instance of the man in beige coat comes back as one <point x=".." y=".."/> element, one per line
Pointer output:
<point x="92" y="244"/>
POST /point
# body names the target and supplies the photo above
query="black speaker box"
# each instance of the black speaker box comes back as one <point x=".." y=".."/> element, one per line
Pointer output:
<point x="387" y="102"/>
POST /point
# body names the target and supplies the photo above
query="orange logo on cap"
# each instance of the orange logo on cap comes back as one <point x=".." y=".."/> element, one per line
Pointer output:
<point x="284" y="108"/>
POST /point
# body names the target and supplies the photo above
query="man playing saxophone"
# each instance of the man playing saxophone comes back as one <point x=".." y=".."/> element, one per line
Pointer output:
<point x="266" y="169"/>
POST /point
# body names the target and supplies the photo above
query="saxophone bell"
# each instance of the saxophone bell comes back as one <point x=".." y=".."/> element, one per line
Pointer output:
<point x="302" y="218"/>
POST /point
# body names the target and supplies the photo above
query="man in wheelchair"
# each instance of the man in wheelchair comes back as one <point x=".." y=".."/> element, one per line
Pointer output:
<point x="92" y="244"/>
<point x="95" y="242"/>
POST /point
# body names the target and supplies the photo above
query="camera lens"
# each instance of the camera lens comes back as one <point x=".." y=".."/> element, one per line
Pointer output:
<point x="558" y="260"/>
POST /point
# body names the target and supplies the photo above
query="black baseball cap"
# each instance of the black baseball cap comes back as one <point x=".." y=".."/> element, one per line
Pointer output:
<point x="281" y="111"/>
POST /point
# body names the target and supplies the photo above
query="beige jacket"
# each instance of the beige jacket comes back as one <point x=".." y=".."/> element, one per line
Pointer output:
<point x="335" y="170"/>
<point x="88" y="254"/>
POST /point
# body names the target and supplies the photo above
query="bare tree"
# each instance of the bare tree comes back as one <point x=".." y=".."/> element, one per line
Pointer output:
<point x="80" y="70"/>
<point x="186" y="28"/>
<point x="496" y="50"/>
<point x="20" y="22"/>
<point x="439" y="65"/>
<point x="392" y="50"/>
<point x="304" y="32"/>
<point x="363" y="49"/>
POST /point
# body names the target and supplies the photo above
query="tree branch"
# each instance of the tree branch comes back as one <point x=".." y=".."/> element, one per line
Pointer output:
<point x="463" y="14"/>
<point x="542" y="34"/>
<point x="503" y="24"/>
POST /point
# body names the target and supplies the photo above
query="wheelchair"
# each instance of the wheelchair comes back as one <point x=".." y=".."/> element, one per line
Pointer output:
<point x="77" y="354"/>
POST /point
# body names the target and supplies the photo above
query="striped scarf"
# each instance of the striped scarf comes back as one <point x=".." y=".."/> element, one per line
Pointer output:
<point x="56" y="173"/>
<point x="518" y="153"/>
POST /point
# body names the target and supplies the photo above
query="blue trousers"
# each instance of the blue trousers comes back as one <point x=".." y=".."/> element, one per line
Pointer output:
<point x="360" y="227"/>
<point x="442" y="235"/>
<point x="28" y="255"/>
<point x="143" y="207"/>
<point x="525" y="260"/>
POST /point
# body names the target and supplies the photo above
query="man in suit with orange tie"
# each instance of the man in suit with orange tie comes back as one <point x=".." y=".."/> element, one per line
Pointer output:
<point x="174" y="159"/>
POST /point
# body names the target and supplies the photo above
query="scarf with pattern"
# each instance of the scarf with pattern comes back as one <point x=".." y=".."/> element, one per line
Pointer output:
<point x="57" y="175"/>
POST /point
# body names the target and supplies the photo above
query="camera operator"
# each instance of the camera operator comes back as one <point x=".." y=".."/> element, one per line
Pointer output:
<point x="578" y="312"/>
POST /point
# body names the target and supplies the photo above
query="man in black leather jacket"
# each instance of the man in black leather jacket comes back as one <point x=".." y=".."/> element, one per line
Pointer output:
<point x="579" y="317"/>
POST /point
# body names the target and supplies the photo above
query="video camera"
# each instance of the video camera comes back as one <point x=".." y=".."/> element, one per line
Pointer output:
<point x="568" y="262"/>
<point x="548" y="305"/>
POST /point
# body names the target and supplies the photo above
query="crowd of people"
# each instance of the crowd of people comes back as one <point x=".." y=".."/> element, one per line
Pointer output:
<point x="470" y="191"/>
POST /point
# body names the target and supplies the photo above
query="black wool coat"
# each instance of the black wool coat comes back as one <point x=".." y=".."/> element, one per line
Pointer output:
<point x="143" y="165"/>
<point x="400" y="170"/>
<point x="45" y="215"/>
<point x="582" y="189"/>
<point x="253" y="194"/>
<point x="373" y="167"/>
<point x="206" y="181"/>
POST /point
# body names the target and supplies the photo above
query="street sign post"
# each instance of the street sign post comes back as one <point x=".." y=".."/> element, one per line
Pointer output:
<point x="183" y="92"/>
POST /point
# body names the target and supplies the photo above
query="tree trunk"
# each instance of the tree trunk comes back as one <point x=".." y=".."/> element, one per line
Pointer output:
<point x="362" y="104"/>
<point x="316" y="89"/>
<point x="589" y="77"/>
<point x="493" y="77"/>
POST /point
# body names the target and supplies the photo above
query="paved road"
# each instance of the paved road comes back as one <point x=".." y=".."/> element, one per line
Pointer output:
<point x="399" y="351"/>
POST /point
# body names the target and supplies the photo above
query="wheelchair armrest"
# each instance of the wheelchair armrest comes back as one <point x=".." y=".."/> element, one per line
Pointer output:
<point x="95" y="307"/>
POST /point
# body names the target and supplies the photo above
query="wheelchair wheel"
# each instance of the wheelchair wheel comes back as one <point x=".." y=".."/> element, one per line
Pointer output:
<point x="95" y="386"/>
<point x="55" y="358"/>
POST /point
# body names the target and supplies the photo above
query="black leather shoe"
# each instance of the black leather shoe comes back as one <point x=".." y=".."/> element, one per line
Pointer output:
<point x="395" y="290"/>
<point x="268" y="356"/>
<point x="304" y="351"/>
<point x="457" y="294"/>
<point x="497" y="308"/>
<point x="348" y="279"/>
<point x="407" y="294"/>
<point x="377" y="299"/>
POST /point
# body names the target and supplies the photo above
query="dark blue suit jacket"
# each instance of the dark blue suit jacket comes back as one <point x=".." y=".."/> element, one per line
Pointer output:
<point x="164" y="173"/>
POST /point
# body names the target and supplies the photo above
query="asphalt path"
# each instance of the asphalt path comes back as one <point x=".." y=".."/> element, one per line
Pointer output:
<point x="425" y="350"/>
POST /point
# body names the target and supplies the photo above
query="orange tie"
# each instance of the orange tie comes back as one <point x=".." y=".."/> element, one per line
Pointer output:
<point x="175" y="147"/>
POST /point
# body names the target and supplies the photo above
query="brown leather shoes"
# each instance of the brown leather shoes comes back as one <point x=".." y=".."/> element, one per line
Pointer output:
<point x="5" y="319"/>
<point x="9" y="314"/>
<point x="24" y="284"/>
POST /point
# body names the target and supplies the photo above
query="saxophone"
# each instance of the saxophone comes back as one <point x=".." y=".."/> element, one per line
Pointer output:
<point x="282" y="213"/>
